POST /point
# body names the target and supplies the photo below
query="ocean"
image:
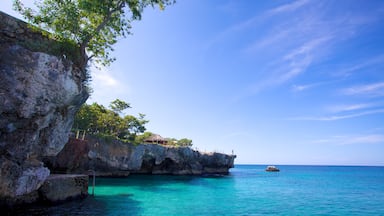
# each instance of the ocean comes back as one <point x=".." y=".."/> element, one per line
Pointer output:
<point x="247" y="190"/>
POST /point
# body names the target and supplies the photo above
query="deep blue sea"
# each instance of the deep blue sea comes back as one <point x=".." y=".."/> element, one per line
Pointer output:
<point x="248" y="190"/>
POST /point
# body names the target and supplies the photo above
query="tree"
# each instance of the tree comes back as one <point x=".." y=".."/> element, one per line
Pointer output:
<point x="92" y="118"/>
<point x="94" y="25"/>
<point x="179" y="143"/>
<point x="98" y="120"/>
<point x="184" y="142"/>
<point x="134" y="125"/>
<point x="139" y="139"/>
<point x="118" y="106"/>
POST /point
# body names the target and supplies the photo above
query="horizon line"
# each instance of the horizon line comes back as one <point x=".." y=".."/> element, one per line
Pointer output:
<point x="277" y="164"/>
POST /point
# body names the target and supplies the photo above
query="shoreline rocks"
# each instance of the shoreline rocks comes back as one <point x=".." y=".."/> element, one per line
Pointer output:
<point x="61" y="187"/>
<point x="116" y="158"/>
<point x="55" y="189"/>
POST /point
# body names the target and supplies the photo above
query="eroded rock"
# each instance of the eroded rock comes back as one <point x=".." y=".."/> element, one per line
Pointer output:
<point x="58" y="188"/>
<point x="39" y="96"/>
<point x="115" y="158"/>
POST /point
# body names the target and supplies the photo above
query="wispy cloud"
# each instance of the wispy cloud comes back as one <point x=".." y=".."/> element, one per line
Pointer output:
<point x="371" y="90"/>
<point x="307" y="47"/>
<point x="300" y="58"/>
<point x="288" y="7"/>
<point x="372" y="61"/>
<point x="287" y="41"/>
<point x="291" y="47"/>
<point x="337" y="117"/>
<point x="352" y="139"/>
<point x="291" y="64"/>
<point x="104" y="78"/>
<point x="303" y="37"/>
<point x="303" y="87"/>
<point x="106" y="86"/>
<point x="349" y="107"/>
<point x="299" y="88"/>
<point x="261" y="18"/>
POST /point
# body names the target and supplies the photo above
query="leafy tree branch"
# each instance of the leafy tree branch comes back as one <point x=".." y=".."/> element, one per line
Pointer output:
<point x="94" y="25"/>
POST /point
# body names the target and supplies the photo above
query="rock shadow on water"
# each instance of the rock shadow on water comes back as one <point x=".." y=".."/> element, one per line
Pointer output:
<point x="143" y="180"/>
<point x="92" y="205"/>
<point x="214" y="175"/>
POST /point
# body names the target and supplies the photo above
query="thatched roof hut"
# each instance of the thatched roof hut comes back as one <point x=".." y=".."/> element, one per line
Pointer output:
<point x="156" y="139"/>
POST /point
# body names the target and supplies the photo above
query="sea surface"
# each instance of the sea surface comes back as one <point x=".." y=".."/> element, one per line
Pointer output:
<point x="248" y="190"/>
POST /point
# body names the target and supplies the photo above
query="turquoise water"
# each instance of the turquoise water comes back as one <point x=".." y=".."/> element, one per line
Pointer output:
<point x="248" y="190"/>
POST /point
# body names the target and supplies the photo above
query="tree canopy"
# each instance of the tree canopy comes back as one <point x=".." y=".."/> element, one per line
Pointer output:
<point x="184" y="142"/>
<point x="98" y="120"/>
<point x="94" y="25"/>
<point x="118" y="106"/>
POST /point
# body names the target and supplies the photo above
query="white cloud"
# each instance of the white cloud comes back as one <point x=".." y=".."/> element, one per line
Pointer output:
<point x="373" y="138"/>
<point x="294" y="44"/>
<point x="304" y="34"/>
<point x="104" y="78"/>
<point x="267" y="42"/>
<point x="371" y="90"/>
<point x="349" y="107"/>
<point x="289" y="7"/>
<point x="306" y="48"/>
<point x="337" y="117"/>
<point x="293" y="63"/>
<point x="352" y="139"/>
<point x="260" y="18"/>
<point x="376" y="60"/>
<point x="106" y="87"/>
<point x="299" y="88"/>
<point x="296" y="67"/>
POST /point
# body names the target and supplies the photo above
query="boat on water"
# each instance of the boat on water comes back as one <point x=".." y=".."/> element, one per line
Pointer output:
<point x="272" y="169"/>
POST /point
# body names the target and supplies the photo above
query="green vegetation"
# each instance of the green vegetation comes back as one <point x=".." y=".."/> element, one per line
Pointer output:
<point x="184" y="142"/>
<point x="94" y="25"/>
<point x="98" y="120"/>
<point x="141" y="137"/>
<point x="66" y="48"/>
<point x="95" y="119"/>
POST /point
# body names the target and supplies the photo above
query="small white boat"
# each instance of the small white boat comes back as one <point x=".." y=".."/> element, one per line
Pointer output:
<point x="272" y="169"/>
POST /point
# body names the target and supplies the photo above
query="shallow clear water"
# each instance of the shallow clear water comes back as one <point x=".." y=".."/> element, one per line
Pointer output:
<point x="248" y="190"/>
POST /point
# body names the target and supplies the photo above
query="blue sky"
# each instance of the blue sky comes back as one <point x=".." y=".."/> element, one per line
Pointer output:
<point x="278" y="82"/>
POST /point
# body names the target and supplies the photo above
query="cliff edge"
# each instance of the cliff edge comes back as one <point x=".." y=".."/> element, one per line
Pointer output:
<point x="40" y="92"/>
<point x="116" y="158"/>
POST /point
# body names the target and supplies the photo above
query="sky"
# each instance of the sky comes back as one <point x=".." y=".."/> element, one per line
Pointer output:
<point x="276" y="82"/>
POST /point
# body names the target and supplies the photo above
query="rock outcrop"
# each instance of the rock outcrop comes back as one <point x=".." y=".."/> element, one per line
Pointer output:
<point x="58" y="188"/>
<point x="39" y="95"/>
<point x="115" y="158"/>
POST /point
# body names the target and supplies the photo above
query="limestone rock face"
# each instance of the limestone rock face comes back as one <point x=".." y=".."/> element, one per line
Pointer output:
<point x="59" y="188"/>
<point x="115" y="158"/>
<point x="39" y="96"/>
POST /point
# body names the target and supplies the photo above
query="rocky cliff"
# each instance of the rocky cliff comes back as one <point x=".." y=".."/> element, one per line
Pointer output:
<point x="41" y="89"/>
<point x="115" y="158"/>
<point x="40" y="92"/>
